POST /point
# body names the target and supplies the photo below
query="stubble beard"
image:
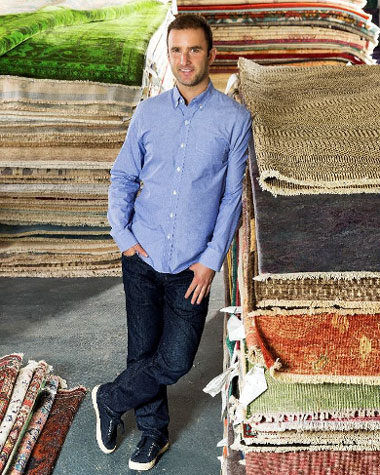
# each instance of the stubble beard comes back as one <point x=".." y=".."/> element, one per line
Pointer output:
<point x="201" y="76"/>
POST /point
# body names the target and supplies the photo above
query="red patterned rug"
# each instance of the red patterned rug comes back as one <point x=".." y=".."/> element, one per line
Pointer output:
<point x="313" y="463"/>
<point x="46" y="451"/>
<point x="317" y="346"/>
<point x="9" y="368"/>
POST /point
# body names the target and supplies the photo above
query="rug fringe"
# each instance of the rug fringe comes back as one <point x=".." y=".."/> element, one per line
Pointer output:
<point x="346" y="275"/>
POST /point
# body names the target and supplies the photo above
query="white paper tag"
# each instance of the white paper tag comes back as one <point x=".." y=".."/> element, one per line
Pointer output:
<point x="254" y="384"/>
<point x="235" y="328"/>
<point x="222" y="443"/>
<point x="239" y="414"/>
<point x="232" y="309"/>
<point x="216" y="384"/>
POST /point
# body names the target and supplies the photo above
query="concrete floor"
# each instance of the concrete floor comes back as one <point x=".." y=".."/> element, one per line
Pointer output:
<point x="78" y="326"/>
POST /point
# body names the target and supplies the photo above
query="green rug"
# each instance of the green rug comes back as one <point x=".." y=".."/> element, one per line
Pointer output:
<point x="286" y="401"/>
<point x="106" y="45"/>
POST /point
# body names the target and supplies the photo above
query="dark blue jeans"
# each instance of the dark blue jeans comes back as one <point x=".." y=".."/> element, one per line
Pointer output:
<point x="164" y="331"/>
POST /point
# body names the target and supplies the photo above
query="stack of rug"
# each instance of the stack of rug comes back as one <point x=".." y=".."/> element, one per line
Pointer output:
<point x="69" y="83"/>
<point x="295" y="32"/>
<point x="36" y="412"/>
<point x="303" y="276"/>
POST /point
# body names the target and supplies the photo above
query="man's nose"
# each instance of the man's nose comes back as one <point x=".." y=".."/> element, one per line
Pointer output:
<point x="185" y="57"/>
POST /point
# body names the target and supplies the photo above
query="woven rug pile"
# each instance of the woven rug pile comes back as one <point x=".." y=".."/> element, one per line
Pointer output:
<point x="36" y="411"/>
<point x="296" y="32"/>
<point x="65" y="106"/>
<point x="303" y="277"/>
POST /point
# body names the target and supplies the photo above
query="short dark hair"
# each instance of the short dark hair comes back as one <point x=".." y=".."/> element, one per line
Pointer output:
<point x="191" y="21"/>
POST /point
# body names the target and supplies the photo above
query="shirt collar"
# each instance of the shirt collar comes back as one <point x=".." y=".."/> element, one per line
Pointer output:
<point x="201" y="99"/>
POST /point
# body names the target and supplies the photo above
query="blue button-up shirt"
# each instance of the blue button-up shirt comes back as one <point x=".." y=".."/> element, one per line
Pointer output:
<point x="190" y="162"/>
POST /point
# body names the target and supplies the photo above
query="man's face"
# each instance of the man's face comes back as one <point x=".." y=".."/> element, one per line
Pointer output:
<point x="188" y="56"/>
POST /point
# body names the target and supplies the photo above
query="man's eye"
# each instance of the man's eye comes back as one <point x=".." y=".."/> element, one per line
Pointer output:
<point x="195" y="50"/>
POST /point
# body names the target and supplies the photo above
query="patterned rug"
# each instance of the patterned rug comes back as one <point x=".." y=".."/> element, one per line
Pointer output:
<point x="109" y="43"/>
<point x="304" y="143"/>
<point x="35" y="418"/>
<point x="316" y="346"/>
<point x="49" y="444"/>
<point x="9" y="368"/>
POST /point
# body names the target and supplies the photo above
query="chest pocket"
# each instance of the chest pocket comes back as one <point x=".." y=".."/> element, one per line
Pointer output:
<point x="213" y="148"/>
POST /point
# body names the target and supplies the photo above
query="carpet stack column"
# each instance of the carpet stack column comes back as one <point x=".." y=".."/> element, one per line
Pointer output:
<point x="65" y="106"/>
<point x="295" y="32"/>
<point x="302" y="381"/>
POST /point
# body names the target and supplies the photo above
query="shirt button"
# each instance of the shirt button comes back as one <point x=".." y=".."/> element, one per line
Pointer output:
<point x="172" y="215"/>
<point x="200" y="107"/>
<point x="174" y="192"/>
<point x="168" y="236"/>
<point x="178" y="169"/>
<point x="187" y="122"/>
<point x="182" y="145"/>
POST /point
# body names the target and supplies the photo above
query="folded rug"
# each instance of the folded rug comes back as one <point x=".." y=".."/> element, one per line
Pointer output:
<point x="316" y="236"/>
<point x="298" y="406"/>
<point x="24" y="413"/>
<point x="317" y="346"/>
<point x="301" y="292"/>
<point x="49" y="444"/>
<point x="106" y="45"/>
<point x="9" y="368"/>
<point x="35" y="426"/>
<point x="315" y="140"/>
<point x="20" y="387"/>
<point x="67" y="98"/>
<point x="314" y="463"/>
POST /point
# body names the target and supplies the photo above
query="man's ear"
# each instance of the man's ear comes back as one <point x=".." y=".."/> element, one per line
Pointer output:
<point x="211" y="56"/>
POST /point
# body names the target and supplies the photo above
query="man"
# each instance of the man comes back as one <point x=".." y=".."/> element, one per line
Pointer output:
<point x="174" y="204"/>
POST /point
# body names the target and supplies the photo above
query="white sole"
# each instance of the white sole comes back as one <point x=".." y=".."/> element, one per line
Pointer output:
<point x="102" y="447"/>
<point x="147" y="466"/>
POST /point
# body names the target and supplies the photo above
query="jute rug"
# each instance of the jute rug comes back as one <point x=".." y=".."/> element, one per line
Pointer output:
<point x="317" y="346"/>
<point x="313" y="141"/>
<point x="73" y="98"/>
<point x="49" y="444"/>
<point x="314" y="463"/>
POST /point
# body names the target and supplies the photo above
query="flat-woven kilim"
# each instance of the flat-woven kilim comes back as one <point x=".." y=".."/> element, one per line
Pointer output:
<point x="313" y="140"/>
<point x="314" y="463"/>
<point x="49" y="444"/>
<point x="9" y="368"/>
<point x="316" y="346"/>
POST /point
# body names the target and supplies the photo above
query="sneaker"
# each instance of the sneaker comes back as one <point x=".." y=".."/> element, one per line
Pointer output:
<point x="106" y="424"/>
<point x="146" y="454"/>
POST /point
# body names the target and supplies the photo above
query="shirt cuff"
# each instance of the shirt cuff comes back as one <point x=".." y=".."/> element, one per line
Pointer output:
<point x="124" y="239"/>
<point x="211" y="259"/>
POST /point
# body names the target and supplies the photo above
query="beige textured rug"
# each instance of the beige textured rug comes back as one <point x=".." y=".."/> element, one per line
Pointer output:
<point x="316" y="130"/>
